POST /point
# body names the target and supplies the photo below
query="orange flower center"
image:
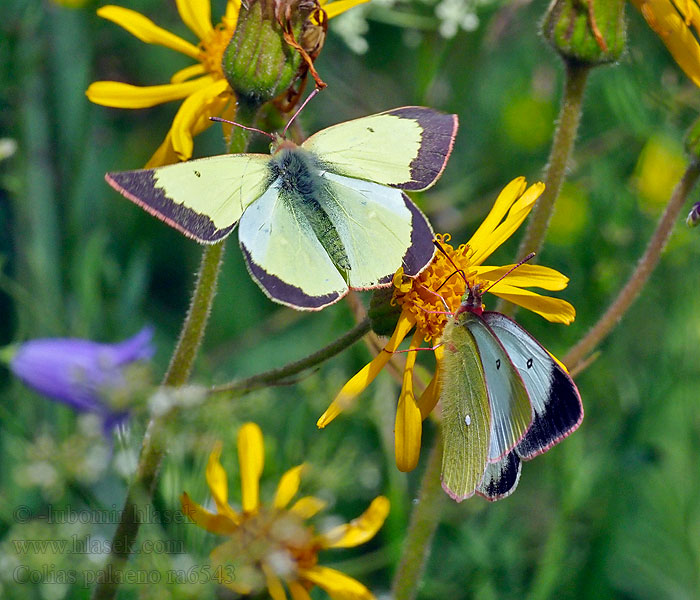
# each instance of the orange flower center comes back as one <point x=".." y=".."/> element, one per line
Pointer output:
<point x="425" y="296"/>
<point x="213" y="47"/>
<point x="278" y="539"/>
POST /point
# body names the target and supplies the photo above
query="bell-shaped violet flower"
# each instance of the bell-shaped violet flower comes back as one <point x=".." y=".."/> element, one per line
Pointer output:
<point x="81" y="373"/>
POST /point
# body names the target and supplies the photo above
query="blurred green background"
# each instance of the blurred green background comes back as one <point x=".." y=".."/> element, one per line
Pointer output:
<point x="613" y="512"/>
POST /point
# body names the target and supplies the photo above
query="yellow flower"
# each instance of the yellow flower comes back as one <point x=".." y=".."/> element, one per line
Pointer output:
<point x="421" y="301"/>
<point x="271" y="544"/>
<point x="203" y="86"/>
<point x="672" y="22"/>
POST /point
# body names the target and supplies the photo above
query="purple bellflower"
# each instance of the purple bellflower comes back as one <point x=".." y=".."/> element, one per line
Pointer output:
<point x="81" y="373"/>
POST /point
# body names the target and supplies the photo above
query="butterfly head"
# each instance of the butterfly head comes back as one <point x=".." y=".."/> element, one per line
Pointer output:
<point x="471" y="301"/>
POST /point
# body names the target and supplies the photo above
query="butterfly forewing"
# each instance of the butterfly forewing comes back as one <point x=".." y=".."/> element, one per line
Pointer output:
<point x="202" y="198"/>
<point x="555" y="398"/>
<point x="511" y="411"/>
<point x="406" y="147"/>
<point x="466" y="417"/>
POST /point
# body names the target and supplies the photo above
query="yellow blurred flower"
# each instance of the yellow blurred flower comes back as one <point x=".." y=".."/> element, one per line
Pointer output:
<point x="271" y="545"/>
<point x="203" y="86"/>
<point x="672" y="21"/>
<point x="421" y="301"/>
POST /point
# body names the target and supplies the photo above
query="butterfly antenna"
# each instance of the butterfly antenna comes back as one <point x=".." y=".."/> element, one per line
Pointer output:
<point x="220" y="120"/>
<point x="438" y="245"/>
<point x="509" y="271"/>
<point x="296" y="114"/>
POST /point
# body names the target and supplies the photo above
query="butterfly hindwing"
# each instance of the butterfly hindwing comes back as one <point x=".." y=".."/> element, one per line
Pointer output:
<point x="405" y="147"/>
<point x="203" y="198"/>
<point x="285" y="256"/>
<point x="501" y="478"/>
<point x="466" y="415"/>
<point x="510" y="405"/>
<point x="555" y="398"/>
<point x="379" y="227"/>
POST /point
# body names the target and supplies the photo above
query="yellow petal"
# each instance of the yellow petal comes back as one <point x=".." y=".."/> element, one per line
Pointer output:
<point x="409" y="423"/>
<point x="194" y="113"/>
<point x="359" y="530"/>
<point x="334" y="9"/>
<point x="308" y="506"/>
<point x="359" y="382"/>
<point x="218" y="485"/>
<point x="298" y="591"/>
<point x="516" y="215"/>
<point x="196" y="14"/>
<point x="431" y="394"/>
<point x="219" y="524"/>
<point x="274" y="585"/>
<point x="232" y="9"/>
<point x="554" y="310"/>
<point x="526" y="276"/>
<point x="288" y="486"/>
<point x="251" y="456"/>
<point x="165" y="155"/>
<point x="146" y="30"/>
<point x="500" y="208"/>
<point x="188" y="73"/>
<point x="339" y="586"/>
<point x="123" y="95"/>
<point x="663" y="18"/>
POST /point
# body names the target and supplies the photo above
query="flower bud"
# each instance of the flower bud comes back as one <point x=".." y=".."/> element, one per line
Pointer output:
<point x="383" y="315"/>
<point x="259" y="63"/>
<point x="586" y="31"/>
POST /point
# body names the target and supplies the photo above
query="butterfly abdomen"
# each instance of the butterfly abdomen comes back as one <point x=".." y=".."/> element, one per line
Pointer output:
<point x="301" y="186"/>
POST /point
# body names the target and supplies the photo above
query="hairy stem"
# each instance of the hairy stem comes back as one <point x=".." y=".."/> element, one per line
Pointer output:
<point x="274" y="376"/>
<point x="579" y="353"/>
<point x="562" y="145"/>
<point x="140" y="491"/>
<point x="424" y="521"/>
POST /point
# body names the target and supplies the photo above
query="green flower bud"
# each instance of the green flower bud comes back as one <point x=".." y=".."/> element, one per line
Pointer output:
<point x="383" y="315"/>
<point x="586" y="31"/>
<point x="259" y="63"/>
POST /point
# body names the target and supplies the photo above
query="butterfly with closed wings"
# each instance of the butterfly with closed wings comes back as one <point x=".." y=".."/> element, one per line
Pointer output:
<point x="316" y="219"/>
<point x="504" y="399"/>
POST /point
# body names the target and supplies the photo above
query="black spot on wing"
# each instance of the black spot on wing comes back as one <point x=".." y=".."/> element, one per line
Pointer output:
<point x="283" y="292"/>
<point x="439" y="131"/>
<point x="501" y="478"/>
<point x="140" y="188"/>
<point x="562" y="415"/>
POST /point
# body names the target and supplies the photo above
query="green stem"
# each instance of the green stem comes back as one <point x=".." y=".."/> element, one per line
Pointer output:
<point x="142" y="486"/>
<point x="243" y="386"/>
<point x="197" y="317"/>
<point x="140" y="492"/>
<point x="578" y="354"/>
<point x="424" y="521"/>
<point x="562" y="145"/>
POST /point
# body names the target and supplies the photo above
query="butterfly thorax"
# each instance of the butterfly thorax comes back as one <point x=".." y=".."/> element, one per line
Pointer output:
<point x="297" y="176"/>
